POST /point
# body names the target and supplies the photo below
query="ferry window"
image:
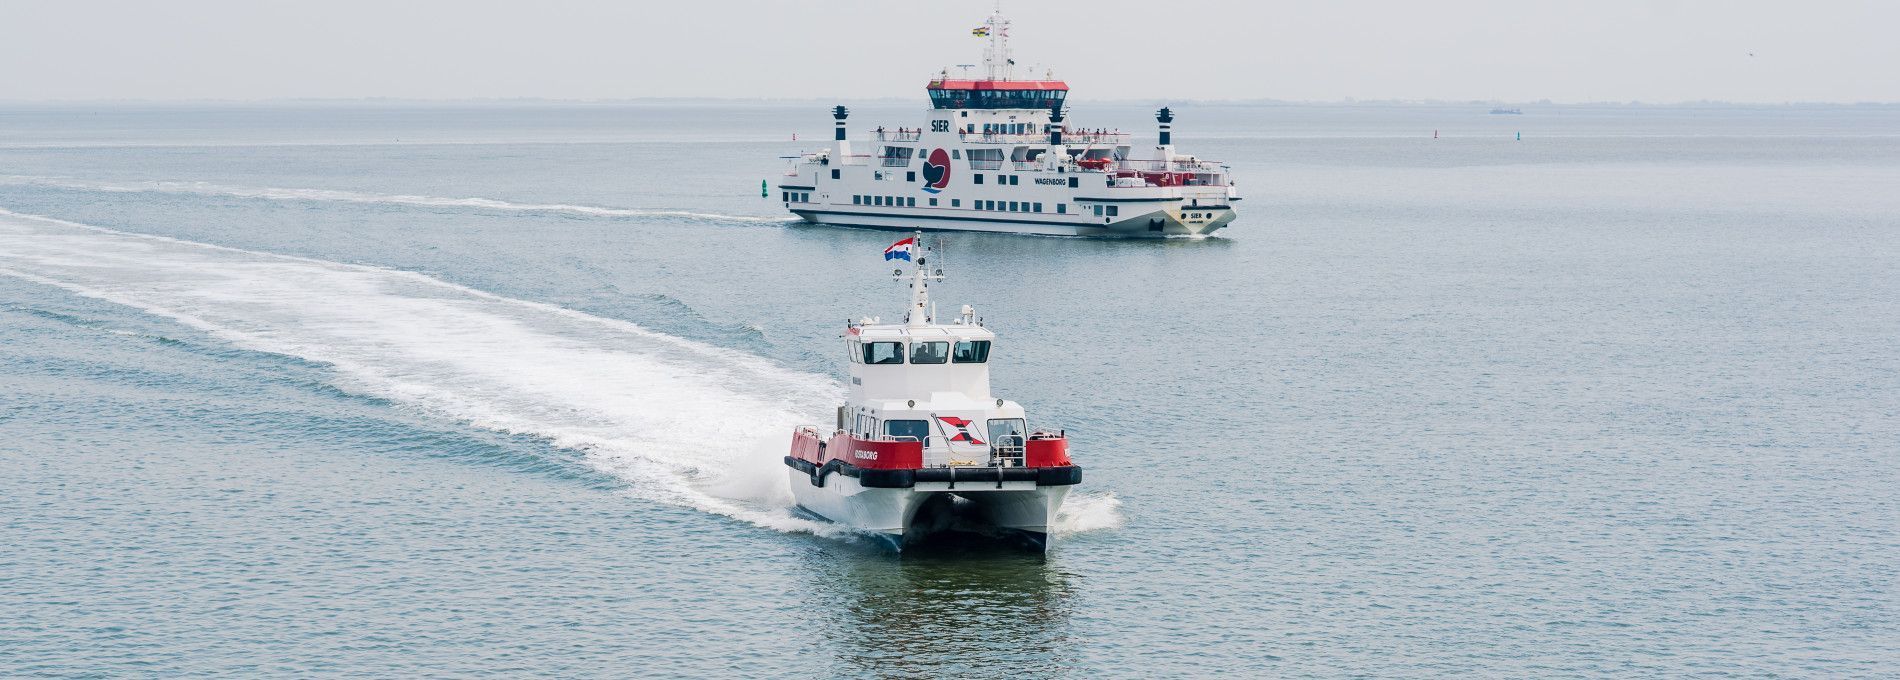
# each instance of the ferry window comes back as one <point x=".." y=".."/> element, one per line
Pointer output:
<point x="929" y="352"/>
<point x="883" y="352"/>
<point x="909" y="430"/>
<point x="933" y="202"/>
<point x="1113" y="210"/>
<point x="1038" y="207"/>
<point x="1015" y="180"/>
<point x="956" y="202"/>
<point x="910" y="176"/>
<point x="1062" y="208"/>
<point x="976" y="178"/>
<point x="1072" y="182"/>
<point x="956" y="154"/>
<point x="910" y="202"/>
<point x="834" y="173"/>
<point x="1098" y="211"/>
<point x="971" y="352"/>
<point x="785" y="196"/>
<point x="1008" y="432"/>
<point x="1012" y="206"/>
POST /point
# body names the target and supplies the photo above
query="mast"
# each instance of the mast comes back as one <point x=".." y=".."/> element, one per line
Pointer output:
<point x="920" y="277"/>
<point x="997" y="62"/>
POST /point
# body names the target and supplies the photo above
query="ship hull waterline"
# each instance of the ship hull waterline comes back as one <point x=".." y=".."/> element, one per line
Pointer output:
<point x="1155" y="224"/>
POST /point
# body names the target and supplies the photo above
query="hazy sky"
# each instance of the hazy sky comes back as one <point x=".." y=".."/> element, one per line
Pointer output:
<point x="1522" y="50"/>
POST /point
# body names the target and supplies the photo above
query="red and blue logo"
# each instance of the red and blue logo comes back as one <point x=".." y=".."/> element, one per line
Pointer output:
<point x="936" y="171"/>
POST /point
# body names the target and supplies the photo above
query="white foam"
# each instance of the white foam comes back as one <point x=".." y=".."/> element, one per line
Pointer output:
<point x="336" y="196"/>
<point x="1085" y="511"/>
<point x="682" y="422"/>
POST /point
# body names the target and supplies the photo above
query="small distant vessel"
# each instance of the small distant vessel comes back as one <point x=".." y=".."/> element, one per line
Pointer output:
<point x="919" y="428"/>
<point x="996" y="155"/>
<point x="1507" y="112"/>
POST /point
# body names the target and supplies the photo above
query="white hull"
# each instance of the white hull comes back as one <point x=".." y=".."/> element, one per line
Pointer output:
<point x="1160" y="222"/>
<point x="890" y="513"/>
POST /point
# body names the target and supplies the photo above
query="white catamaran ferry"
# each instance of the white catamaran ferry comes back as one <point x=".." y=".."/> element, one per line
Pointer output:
<point x="996" y="155"/>
<point x="919" y="427"/>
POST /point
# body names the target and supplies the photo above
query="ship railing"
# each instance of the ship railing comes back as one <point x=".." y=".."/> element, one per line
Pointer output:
<point x="985" y="165"/>
<point x="1095" y="138"/>
<point x="895" y="161"/>
<point x="899" y="136"/>
<point x="1025" y="165"/>
<point x="1069" y="138"/>
<point x="1171" y="166"/>
<point x="1002" y="138"/>
<point x="1008" y="451"/>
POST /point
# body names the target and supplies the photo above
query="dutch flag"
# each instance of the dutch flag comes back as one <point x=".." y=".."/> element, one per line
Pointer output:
<point x="900" y="250"/>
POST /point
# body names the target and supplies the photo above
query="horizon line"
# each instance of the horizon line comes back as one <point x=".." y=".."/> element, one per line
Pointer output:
<point x="892" y="99"/>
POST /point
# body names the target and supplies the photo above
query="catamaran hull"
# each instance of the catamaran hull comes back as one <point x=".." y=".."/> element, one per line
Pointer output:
<point x="1022" y="507"/>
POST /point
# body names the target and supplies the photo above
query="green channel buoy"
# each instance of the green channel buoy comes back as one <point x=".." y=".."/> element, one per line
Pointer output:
<point x="762" y="192"/>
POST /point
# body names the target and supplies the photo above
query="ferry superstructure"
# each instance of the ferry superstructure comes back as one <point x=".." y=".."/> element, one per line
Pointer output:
<point x="997" y="154"/>
<point x="919" y="426"/>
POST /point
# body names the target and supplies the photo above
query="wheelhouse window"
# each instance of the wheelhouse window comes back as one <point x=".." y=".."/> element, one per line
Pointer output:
<point x="856" y="350"/>
<point x="929" y="352"/>
<point x="970" y="352"/>
<point x="887" y="352"/>
<point x="908" y="430"/>
<point x="1008" y="433"/>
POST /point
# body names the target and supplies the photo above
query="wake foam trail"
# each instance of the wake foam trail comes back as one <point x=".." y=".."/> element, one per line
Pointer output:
<point x="682" y="422"/>
<point x="336" y="196"/>
<point x="674" y="418"/>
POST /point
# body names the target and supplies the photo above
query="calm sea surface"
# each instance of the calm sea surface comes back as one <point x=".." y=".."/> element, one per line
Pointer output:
<point x="404" y="390"/>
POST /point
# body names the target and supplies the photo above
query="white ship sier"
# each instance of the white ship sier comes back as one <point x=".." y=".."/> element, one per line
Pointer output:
<point x="996" y="155"/>
<point x="920" y="427"/>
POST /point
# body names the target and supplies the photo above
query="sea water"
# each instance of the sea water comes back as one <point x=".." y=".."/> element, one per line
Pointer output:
<point x="390" y="389"/>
